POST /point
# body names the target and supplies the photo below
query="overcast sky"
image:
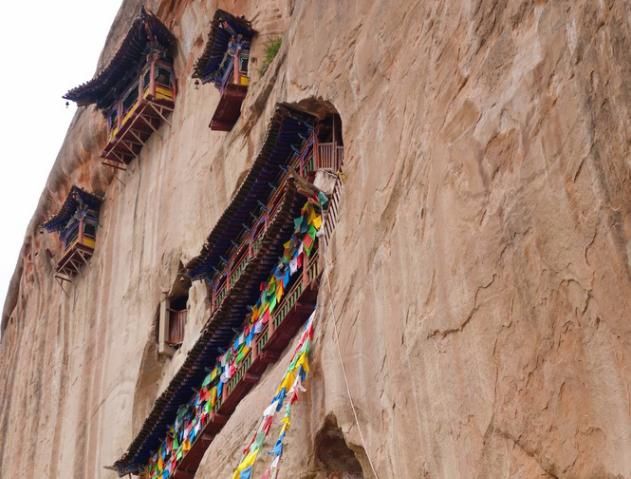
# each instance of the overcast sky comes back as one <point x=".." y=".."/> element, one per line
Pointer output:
<point x="47" y="47"/>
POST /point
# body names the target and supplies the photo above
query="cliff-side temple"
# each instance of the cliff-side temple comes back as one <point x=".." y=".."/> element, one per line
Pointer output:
<point x="260" y="263"/>
<point x="257" y="302"/>
<point x="135" y="91"/>
<point x="76" y="223"/>
<point x="224" y="63"/>
<point x="402" y="249"/>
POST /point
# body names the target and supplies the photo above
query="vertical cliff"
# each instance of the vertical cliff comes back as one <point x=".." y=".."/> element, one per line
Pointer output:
<point x="473" y="315"/>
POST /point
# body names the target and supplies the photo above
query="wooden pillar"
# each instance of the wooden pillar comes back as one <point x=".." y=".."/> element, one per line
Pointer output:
<point x="235" y="68"/>
<point x="213" y="295"/>
<point x="119" y="112"/>
<point x="152" y="76"/>
<point x="80" y="232"/>
<point x="270" y="325"/>
<point x="315" y="152"/>
<point x="305" y="271"/>
<point x="255" y="348"/>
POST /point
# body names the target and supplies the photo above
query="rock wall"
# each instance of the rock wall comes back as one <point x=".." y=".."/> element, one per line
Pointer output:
<point x="473" y="317"/>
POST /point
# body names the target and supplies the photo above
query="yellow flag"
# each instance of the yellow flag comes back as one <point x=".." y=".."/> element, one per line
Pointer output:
<point x="317" y="222"/>
<point x="245" y="463"/>
<point x="288" y="381"/>
<point x="303" y="360"/>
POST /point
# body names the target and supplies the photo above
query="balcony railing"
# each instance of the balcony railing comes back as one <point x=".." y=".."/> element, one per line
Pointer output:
<point x="246" y="250"/>
<point x="248" y="245"/>
<point x="328" y="156"/>
<point x="331" y="213"/>
<point x="309" y="276"/>
<point x="294" y="308"/>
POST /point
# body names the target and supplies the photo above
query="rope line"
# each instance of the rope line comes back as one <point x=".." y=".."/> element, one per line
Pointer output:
<point x="348" y="389"/>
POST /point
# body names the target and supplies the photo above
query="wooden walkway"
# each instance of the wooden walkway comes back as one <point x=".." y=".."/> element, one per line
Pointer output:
<point x="295" y="308"/>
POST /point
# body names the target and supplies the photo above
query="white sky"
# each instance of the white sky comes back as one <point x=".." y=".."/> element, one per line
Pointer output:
<point x="46" y="47"/>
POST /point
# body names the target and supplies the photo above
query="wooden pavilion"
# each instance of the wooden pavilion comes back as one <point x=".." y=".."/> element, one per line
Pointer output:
<point x="135" y="91"/>
<point x="224" y="62"/>
<point x="76" y="222"/>
<point x="239" y="253"/>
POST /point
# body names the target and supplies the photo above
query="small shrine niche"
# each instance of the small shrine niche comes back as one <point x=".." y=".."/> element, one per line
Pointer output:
<point x="76" y="223"/>
<point x="224" y="63"/>
<point x="135" y="91"/>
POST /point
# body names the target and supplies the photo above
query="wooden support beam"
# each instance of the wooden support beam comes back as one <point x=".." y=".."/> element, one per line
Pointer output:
<point x="157" y="108"/>
<point x="63" y="278"/>
<point x="251" y="378"/>
<point x="129" y="141"/>
<point x="114" y="164"/>
<point x="149" y="123"/>
<point x="219" y="419"/>
<point x="121" y="142"/>
<point x="141" y="142"/>
<point x="116" y="155"/>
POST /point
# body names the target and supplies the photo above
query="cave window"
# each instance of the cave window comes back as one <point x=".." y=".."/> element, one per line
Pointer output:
<point x="173" y="316"/>
<point x="177" y="320"/>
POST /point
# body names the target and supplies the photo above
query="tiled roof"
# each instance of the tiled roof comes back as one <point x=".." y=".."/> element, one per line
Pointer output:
<point x="222" y="28"/>
<point x="146" y="33"/>
<point x="75" y="197"/>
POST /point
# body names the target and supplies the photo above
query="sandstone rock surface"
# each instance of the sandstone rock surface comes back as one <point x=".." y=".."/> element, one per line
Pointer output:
<point x="477" y="298"/>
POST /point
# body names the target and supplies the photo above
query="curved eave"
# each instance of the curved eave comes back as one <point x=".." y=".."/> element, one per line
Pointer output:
<point x="287" y="130"/>
<point x="129" y="56"/>
<point x="208" y="63"/>
<point x="72" y="201"/>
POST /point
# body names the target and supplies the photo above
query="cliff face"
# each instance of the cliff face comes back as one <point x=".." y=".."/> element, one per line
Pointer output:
<point x="476" y="299"/>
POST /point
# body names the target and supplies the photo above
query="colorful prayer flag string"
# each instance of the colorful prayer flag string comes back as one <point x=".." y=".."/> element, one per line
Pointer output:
<point x="192" y="417"/>
<point x="286" y="395"/>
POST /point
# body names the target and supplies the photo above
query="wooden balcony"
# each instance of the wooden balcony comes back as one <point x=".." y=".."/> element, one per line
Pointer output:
<point x="233" y="88"/>
<point x="229" y="107"/>
<point x="249" y="246"/>
<point x="326" y="156"/>
<point x="75" y="256"/>
<point x="331" y="214"/>
<point x="292" y="312"/>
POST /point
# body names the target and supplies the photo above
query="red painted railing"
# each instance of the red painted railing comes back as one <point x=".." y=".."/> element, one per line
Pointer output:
<point x="246" y="250"/>
<point x="250" y="241"/>
<point x="329" y="156"/>
<point x="312" y="156"/>
<point x="291" y="313"/>
<point x="331" y="213"/>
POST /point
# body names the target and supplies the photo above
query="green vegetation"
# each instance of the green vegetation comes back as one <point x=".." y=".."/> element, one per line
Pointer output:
<point x="271" y="49"/>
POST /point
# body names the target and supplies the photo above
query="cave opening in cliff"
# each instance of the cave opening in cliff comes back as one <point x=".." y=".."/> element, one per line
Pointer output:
<point x="224" y="63"/>
<point x="173" y="314"/>
<point x="135" y="91"/>
<point x="334" y="457"/>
